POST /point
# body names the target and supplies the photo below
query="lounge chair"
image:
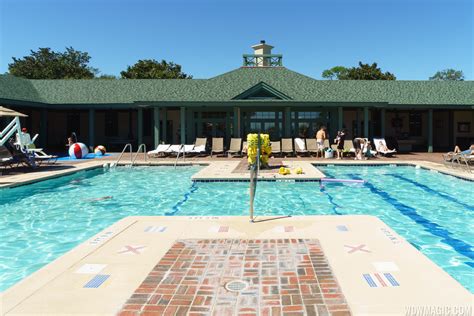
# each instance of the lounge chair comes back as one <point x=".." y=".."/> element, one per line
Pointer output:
<point x="27" y="144"/>
<point x="276" y="148"/>
<point x="364" y="148"/>
<point x="245" y="147"/>
<point x="287" y="146"/>
<point x="235" y="147"/>
<point x="300" y="146"/>
<point x="379" y="143"/>
<point x="465" y="160"/>
<point x="187" y="149"/>
<point x="449" y="158"/>
<point x="200" y="141"/>
<point x="312" y="145"/>
<point x="199" y="146"/>
<point x="160" y="151"/>
<point x="217" y="145"/>
<point x="173" y="149"/>
<point x="348" y="147"/>
<point x="20" y="157"/>
<point x="6" y="158"/>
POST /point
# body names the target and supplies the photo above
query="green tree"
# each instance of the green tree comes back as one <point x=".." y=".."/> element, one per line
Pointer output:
<point x="367" y="72"/>
<point x="335" y="73"/>
<point x="48" y="64"/>
<point x="362" y="72"/>
<point x="448" y="74"/>
<point x="152" y="69"/>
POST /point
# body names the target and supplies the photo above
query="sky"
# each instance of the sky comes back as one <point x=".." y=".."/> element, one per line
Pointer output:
<point x="410" y="38"/>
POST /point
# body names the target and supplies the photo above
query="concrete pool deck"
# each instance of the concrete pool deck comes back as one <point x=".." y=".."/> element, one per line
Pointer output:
<point x="357" y="265"/>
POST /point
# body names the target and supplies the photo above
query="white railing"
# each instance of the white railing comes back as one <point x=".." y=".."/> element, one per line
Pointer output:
<point x="177" y="156"/>
<point x="123" y="151"/>
<point x="141" y="147"/>
<point x="12" y="128"/>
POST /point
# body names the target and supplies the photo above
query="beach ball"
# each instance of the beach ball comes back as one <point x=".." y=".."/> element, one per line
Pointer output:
<point x="99" y="150"/>
<point x="78" y="150"/>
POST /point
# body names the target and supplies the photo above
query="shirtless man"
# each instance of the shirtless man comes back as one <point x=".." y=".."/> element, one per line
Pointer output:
<point x="320" y="137"/>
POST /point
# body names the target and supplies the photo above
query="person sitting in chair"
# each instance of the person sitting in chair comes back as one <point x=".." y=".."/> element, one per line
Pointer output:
<point x="382" y="147"/>
<point x="468" y="151"/>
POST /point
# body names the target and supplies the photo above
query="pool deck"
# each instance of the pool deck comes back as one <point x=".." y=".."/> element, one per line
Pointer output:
<point x="328" y="265"/>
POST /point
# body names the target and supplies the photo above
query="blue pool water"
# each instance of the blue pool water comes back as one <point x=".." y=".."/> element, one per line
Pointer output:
<point x="41" y="221"/>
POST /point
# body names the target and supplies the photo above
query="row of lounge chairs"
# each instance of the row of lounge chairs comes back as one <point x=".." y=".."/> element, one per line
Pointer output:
<point x="286" y="147"/>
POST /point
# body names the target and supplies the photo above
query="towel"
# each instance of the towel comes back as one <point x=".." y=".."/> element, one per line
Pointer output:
<point x="300" y="143"/>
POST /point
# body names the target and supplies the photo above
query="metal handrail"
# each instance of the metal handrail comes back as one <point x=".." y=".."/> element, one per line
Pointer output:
<point x="177" y="156"/>
<point x="138" y="151"/>
<point x="123" y="151"/>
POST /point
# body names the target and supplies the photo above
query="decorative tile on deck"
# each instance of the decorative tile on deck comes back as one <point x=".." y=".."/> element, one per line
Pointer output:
<point x="283" y="276"/>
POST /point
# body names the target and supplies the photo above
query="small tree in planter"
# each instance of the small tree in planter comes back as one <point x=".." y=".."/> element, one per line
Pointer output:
<point x="265" y="149"/>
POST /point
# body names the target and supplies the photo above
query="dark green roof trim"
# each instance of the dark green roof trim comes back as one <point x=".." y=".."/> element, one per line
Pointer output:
<point x="224" y="88"/>
<point x="262" y="86"/>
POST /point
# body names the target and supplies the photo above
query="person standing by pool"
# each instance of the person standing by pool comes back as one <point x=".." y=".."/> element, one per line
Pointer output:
<point x="340" y="139"/>
<point x="358" y="146"/>
<point x="320" y="137"/>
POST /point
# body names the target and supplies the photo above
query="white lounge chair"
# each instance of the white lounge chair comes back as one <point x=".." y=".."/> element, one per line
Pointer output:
<point x="159" y="151"/>
<point x="187" y="149"/>
<point x="198" y="150"/>
<point x="26" y="143"/>
<point x="300" y="146"/>
<point x="174" y="149"/>
<point x="380" y="143"/>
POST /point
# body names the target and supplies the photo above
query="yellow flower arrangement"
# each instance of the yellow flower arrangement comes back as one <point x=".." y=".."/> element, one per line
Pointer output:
<point x="265" y="148"/>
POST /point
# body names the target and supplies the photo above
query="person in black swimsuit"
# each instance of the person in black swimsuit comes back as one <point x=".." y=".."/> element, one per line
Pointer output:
<point x="341" y="137"/>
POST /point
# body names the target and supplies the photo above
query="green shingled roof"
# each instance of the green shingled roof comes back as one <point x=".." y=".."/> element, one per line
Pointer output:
<point x="227" y="86"/>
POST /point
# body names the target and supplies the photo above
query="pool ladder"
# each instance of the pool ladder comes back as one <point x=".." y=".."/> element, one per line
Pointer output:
<point x="133" y="158"/>
<point x="177" y="156"/>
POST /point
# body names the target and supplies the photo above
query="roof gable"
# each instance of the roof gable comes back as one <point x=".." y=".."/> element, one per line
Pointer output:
<point x="261" y="91"/>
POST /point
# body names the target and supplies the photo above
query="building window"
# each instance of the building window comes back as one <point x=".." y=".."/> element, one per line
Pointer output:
<point x="262" y="115"/>
<point x="415" y="124"/>
<point x="111" y="123"/>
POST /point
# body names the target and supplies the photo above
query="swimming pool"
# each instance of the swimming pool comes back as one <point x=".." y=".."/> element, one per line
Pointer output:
<point x="41" y="221"/>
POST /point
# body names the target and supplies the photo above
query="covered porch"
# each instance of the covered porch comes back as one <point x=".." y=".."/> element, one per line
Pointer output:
<point x="411" y="129"/>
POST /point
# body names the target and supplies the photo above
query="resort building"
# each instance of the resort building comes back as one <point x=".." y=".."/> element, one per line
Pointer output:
<point x="260" y="95"/>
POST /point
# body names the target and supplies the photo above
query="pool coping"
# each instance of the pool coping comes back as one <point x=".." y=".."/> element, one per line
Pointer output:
<point x="58" y="288"/>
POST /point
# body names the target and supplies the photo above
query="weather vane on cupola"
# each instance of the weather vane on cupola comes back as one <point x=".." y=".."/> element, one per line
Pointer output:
<point x="262" y="57"/>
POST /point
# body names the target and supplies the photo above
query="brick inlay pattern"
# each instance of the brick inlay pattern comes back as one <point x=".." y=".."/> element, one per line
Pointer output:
<point x="285" y="277"/>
